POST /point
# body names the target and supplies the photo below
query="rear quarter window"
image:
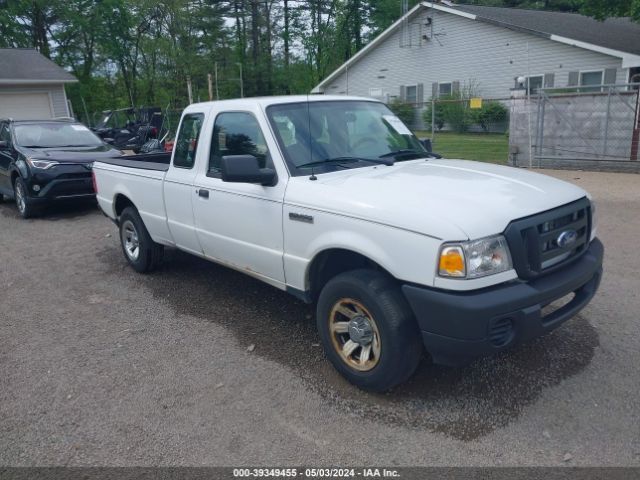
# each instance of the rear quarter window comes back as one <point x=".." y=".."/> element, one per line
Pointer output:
<point x="186" y="144"/>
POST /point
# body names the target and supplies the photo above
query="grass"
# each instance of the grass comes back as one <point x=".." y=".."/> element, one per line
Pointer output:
<point x="483" y="147"/>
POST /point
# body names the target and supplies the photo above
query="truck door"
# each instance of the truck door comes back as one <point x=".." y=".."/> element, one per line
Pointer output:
<point x="178" y="183"/>
<point x="240" y="224"/>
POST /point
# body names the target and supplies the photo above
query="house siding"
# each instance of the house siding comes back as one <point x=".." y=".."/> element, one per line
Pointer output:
<point x="56" y="95"/>
<point x="465" y="50"/>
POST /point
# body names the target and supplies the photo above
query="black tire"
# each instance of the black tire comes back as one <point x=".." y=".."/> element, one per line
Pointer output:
<point x="378" y="296"/>
<point x="1" y="198"/>
<point x="21" y="195"/>
<point x="148" y="255"/>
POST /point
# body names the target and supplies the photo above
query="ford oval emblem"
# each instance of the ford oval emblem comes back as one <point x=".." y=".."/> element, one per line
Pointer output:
<point x="566" y="238"/>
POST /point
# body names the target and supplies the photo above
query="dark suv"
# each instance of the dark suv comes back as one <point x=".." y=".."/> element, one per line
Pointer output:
<point x="48" y="160"/>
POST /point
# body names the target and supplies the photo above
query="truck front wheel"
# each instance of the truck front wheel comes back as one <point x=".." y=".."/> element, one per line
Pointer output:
<point x="368" y="330"/>
<point x="142" y="253"/>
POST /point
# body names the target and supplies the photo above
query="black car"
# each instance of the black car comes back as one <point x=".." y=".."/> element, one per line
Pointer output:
<point x="48" y="160"/>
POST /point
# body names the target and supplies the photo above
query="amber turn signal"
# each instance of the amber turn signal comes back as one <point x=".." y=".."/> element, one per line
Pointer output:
<point x="452" y="262"/>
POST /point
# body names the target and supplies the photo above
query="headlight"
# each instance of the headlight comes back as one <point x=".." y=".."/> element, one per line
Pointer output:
<point x="474" y="259"/>
<point x="41" y="164"/>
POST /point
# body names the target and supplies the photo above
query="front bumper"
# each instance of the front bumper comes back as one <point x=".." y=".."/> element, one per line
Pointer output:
<point x="62" y="183"/>
<point x="458" y="327"/>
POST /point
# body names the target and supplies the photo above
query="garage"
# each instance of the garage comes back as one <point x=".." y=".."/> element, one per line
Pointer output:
<point x="25" y="106"/>
<point x="32" y="87"/>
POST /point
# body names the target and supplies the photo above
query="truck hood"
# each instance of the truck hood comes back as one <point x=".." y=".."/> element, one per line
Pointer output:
<point x="71" y="154"/>
<point x="447" y="199"/>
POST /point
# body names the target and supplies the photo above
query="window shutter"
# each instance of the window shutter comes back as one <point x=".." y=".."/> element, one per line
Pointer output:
<point x="403" y="93"/>
<point x="455" y="87"/>
<point x="434" y="90"/>
<point x="549" y="78"/>
<point x="610" y="76"/>
<point x="420" y="93"/>
<point x="574" y="78"/>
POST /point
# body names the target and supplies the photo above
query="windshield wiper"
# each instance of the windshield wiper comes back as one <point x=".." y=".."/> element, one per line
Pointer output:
<point x="339" y="160"/>
<point x="404" y="151"/>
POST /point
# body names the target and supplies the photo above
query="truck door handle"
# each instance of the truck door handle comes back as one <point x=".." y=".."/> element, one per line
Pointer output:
<point x="203" y="193"/>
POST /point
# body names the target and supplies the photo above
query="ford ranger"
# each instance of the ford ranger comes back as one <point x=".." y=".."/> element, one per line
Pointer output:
<point x="334" y="200"/>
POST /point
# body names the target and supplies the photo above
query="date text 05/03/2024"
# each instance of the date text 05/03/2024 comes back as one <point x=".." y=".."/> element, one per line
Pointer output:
<point x="316" y="472"/>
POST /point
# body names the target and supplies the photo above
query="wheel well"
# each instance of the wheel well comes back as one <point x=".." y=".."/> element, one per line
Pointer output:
<point x="14" y="176"/>
<point x="332" y="262"/>
<point x="121" y="202"/>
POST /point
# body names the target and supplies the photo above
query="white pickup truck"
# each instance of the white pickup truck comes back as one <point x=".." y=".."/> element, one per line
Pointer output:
<point x="335" y="201"/>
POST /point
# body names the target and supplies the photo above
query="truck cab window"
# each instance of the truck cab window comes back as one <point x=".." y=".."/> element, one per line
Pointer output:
<point x="236" y="133"/>
<point x="187" y="141"/>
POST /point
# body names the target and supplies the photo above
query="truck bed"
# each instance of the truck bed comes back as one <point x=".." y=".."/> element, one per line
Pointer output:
<point x="146" y="161"/>
<point x="139" y="178"/>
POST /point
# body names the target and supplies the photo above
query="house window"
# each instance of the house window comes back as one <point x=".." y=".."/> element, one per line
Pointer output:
<point x="534" y="84"/>
<point x="411" y="95"/>
<point x="591" y="80"/>
<point x="444" y="89"/>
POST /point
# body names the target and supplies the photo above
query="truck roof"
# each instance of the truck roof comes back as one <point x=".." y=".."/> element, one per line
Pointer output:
<point x="266" y="101"/>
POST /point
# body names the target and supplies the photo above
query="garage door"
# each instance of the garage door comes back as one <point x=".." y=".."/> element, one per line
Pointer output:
<point x="25" y="106"/>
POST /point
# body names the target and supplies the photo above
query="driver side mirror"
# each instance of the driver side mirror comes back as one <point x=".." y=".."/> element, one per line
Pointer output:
<point x="4" y="145"/>
<point x="246" y="169"/>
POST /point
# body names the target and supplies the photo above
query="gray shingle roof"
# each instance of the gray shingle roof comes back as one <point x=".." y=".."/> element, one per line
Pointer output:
<point x="26" y="64"/>
<point x="616" y="33"/>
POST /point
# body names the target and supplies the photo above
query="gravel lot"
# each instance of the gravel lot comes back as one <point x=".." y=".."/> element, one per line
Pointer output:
<point x="103" y="366"/>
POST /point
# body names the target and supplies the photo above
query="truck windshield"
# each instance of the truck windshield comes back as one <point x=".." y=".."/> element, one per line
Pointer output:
<point x="319" y="134"/>
<point x="55" y="134"/>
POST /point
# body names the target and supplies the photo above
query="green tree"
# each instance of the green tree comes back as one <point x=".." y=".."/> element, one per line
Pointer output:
<point x="602" y="9"/>
<point x="491" y="114"/>
<point x="404" y="111"/>
<point x="26" y="23"/>
<point x="434" y="113"/>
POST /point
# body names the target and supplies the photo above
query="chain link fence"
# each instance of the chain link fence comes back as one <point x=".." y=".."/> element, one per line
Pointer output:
<point x="465" y="128"/>
<point x="593" y="127"/>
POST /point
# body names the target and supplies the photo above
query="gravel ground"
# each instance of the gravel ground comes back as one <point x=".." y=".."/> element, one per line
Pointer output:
<point x="103" y="366"/>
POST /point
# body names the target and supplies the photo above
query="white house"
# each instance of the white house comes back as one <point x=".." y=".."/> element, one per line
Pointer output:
<point x="435" y="48"/>
<point x="31" y="85"/>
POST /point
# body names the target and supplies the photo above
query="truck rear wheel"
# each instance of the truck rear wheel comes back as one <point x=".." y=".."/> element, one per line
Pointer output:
<point x="368" y="330"/>
<point x="142" y="253"/>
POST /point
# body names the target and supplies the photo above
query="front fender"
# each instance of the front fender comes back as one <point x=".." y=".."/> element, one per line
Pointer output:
<point x="22" y="168"/>
<point x="408" y="256"/>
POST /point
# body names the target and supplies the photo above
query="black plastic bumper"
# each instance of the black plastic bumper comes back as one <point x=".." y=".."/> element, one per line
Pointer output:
<point x="458" y="327"/>
<point x="62" y="189"/>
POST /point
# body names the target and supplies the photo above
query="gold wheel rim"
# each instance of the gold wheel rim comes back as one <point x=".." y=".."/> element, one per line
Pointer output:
<point x="360" y="354"/>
